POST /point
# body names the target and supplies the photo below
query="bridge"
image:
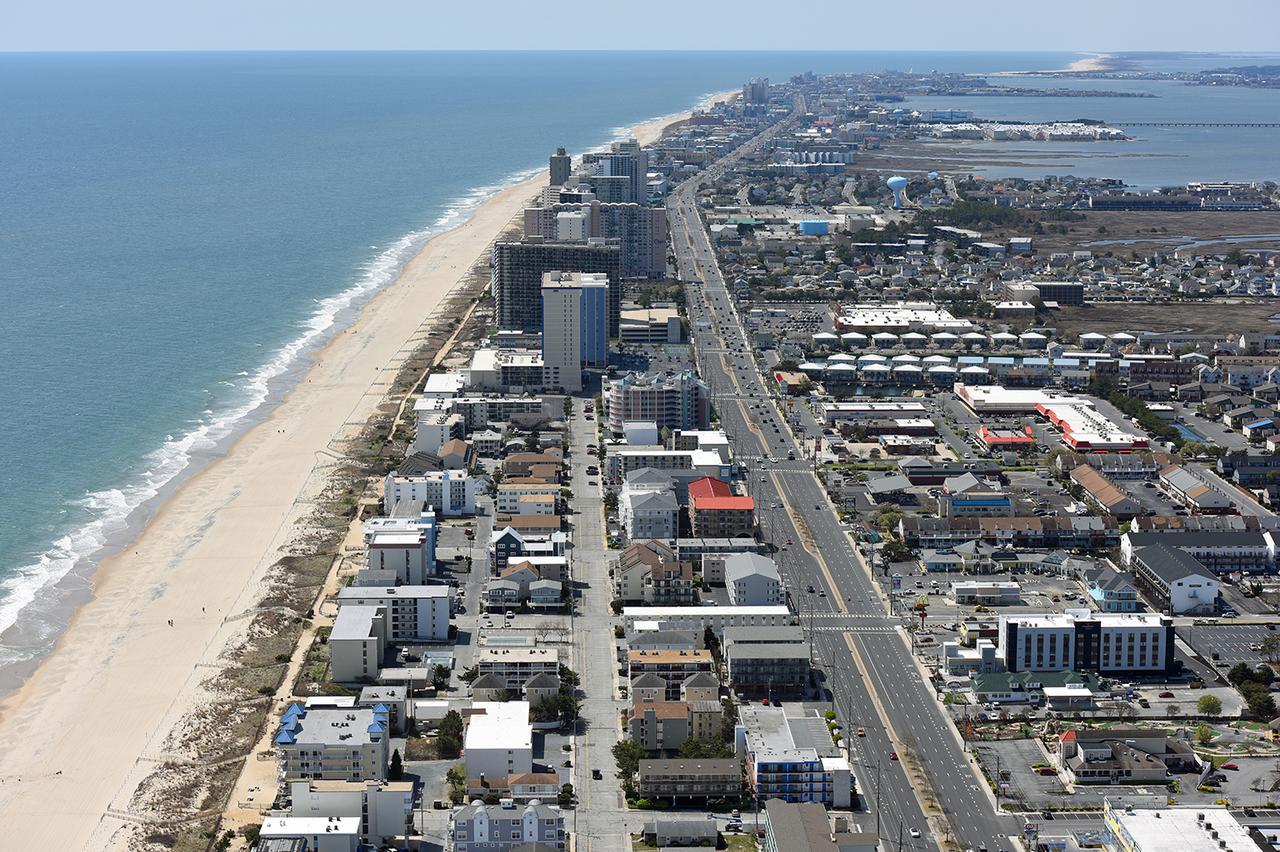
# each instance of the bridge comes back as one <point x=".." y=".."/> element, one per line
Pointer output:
<point x="1195" y="123"/>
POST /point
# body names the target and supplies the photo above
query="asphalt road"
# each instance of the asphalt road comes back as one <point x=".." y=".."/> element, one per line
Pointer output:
<point x="858" y="646"/>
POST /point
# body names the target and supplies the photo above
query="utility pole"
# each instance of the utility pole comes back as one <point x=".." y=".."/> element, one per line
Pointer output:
<point x="997" y="782"/>
<point x="877" y="797"/>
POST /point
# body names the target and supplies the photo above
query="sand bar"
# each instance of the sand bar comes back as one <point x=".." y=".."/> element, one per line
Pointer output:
<point x="88" y="725"/>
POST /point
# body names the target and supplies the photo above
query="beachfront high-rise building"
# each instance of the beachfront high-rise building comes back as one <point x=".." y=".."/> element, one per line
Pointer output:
<point x="574" y="326"/>
<point x="641" y="231"/>
<point x="347" y="744"/>
<point x="561" y="167"/>
<point x="682" y="401"/>
<point x="571" y="226"/>
<point x="518" y="267"/>
<point x="756" y="91"/>
<point x="619" y="174"/>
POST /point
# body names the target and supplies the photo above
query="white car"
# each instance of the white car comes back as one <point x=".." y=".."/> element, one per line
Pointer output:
<point x="915" y="832"/>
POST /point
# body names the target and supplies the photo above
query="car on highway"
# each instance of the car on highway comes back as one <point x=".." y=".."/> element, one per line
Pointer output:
<point x="862" y="732"/>
<point x="893" y="755"/>
<point x="596" y="774"/>
<point x="915" y="832"/>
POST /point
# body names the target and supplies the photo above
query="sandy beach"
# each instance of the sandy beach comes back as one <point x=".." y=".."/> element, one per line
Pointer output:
<point x="92" y="721"/>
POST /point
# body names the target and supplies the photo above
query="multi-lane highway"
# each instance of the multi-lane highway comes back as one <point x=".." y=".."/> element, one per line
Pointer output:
<point x="861" y="651"/>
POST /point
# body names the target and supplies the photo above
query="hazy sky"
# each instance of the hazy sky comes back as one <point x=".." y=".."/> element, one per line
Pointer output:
<point x="982" y="25"/>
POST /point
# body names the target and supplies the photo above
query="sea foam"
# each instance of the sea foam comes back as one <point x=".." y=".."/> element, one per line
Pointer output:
<point x="109" y="515"/>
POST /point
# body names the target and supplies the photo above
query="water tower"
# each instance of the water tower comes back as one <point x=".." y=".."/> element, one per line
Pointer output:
<point x="899" y="186"/>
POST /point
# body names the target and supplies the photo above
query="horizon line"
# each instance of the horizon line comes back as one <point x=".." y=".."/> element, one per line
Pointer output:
<point x="273" y="50"/>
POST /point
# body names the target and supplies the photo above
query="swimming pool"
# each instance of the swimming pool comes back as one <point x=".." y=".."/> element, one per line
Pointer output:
<point x="1190" y="434"/>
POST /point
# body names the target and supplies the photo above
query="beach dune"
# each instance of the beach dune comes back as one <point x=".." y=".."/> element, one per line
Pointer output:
<point x="92" y="721"/>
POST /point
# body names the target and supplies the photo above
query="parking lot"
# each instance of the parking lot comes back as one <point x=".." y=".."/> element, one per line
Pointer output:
<point x="1231" y="643"/>
<point x="1013" y="760"/>
<point x="1214" y="432"/>
<point x="1151" y="498"/>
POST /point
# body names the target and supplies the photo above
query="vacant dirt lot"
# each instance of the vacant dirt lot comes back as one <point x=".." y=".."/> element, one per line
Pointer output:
<point x="1223" y="317"/>
<point x="1152" y="231"/>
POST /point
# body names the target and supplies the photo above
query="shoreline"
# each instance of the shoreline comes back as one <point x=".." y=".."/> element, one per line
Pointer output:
<point x="121" y="675"/>
<point x="58" y="601"/>
<point x="42" y="621"/>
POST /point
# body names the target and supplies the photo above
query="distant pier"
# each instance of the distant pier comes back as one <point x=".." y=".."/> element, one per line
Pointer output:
<point x="1194" y="123"/>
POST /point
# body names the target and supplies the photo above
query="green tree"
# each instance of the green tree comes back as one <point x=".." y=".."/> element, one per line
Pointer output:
<point x="1240" y="673"/>
<point x="448" y="747"/>
<point x="440" y="677"/>
<point x="627" y="754"/>
<point x="1204" y="734"/>
<point x="1270" y="646"/>
<point x="562" y="708"/>
<point x="1209" y="705"/>
<point x="1261" y="705"/>
<point x="895" y="551"/>
<point x="449" y="735"/>
<point x="396" y="770"/>
<point x="704" y="748"/>
<point x="565" y="799"/>
<point x="469" y="675"/>
<point x="888" y="520"/>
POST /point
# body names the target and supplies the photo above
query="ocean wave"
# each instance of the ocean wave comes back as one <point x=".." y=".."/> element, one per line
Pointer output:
<point x="105" y="516"/>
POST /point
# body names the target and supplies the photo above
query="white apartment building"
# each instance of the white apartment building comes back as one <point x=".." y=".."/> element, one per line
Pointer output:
<point x="1085" y="641"/>
<point x="452" y="492"/>
<point x="575" y="328"/>
<point x="788" y="757"/>
<point x="515" y="666"/>
<point x="357" y="643"/>
<point x="699" y="618"/>
<point x="623" y="460"/>
<point x="318" y="833"/>
<point x="383" y="809"/>
<point x="527" y="498"/>
<point x="752" y="580"/>
<point x="648" y="514"/>
<point x="346" y="744"/>
<point x="434" y="426"/>
<point x="499" y="739"/>
<point x="404" y="551"/>
<point x="479" y="410"/>
<point x="414" y="613"/>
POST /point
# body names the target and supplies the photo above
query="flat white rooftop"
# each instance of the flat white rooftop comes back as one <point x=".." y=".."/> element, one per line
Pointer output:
<point x="498" y="725"/>
<point x="1070" y="617"/>
<point x="364" y="593"/>
<point x="657" y="613"/>
<point x="291" y="826"/>
<point x="396" y="538"/>
<point x="1183" y="829"/>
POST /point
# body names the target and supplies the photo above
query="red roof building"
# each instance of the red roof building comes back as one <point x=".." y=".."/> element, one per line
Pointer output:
<point x="1006" y="438"/>
<point x="716" y="512"/>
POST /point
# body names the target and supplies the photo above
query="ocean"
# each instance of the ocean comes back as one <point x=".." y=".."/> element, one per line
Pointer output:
<point x="179" y="232"/>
